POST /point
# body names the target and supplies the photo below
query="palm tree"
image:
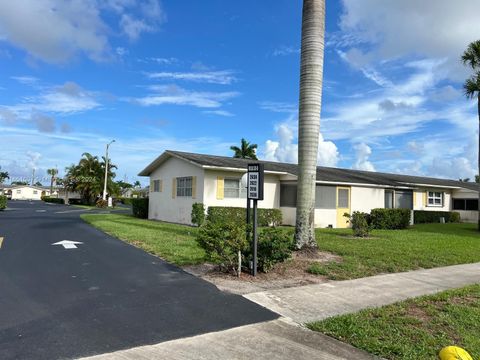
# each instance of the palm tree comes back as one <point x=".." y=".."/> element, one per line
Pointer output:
<point x="3" y="176"/>
<point x="53" y="175"/>
<point x="471" y="58"/>
<point x="245" y="151"/>
<point x="311" y="73"/>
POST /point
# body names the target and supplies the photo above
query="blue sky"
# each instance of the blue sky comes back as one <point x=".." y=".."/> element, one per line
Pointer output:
<point x="199" y="75"/>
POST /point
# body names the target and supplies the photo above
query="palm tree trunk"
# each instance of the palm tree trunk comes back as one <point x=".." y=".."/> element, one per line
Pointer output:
<point x="478" y="105"/>
<point x="311" y="74"/>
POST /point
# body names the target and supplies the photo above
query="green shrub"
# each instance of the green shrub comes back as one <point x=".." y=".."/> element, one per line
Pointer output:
<point x="360" y="223"/>
<point x="3" y="202"/>
<point x="124" y="200"/>
<point x="53" y="200"/>
<point x="222" y="241"/>
<point x="274" y="245"/>
<point x="140" y="208"/>
<point x="198" y="214"/>
<point x="266" y="217"/>
<point x="390" y="219"/>
<point x="427" y="217"/>
<point x="77" y="202"/>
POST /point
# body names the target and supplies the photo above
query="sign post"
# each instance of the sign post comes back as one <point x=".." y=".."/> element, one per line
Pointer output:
<point x="255" y="193"/>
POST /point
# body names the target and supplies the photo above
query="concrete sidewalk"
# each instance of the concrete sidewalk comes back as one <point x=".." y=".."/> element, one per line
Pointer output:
<point x="316" y="302"/>
<point x="275" y="339"/>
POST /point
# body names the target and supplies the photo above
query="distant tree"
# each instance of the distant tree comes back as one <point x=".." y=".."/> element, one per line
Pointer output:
<point x="477" y="178"/>
<point x="38" y="183"/>
<point x="3" y="176"/>
<point x="245" y="151"/>
<point x="20" y="183"/>
<point x="123" y="185"/>
<point x="53" y="176"/>
<point x="137" y="184"/>
<point x="464" y="180"/>
<point x="471" y="58"/>
<point x="87" y="177"/>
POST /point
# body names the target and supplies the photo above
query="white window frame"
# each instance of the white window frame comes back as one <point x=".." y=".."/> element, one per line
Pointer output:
<point x="183" y="190"/>
<point x="35" y="192"/>
<point x="435" y="198"/>
<point x="156" y="185"/>
<point x="19" y="191"/>
<point x="241" y="192"/>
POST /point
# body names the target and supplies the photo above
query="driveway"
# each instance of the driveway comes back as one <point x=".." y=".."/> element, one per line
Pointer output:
<point x="100" y="295"/>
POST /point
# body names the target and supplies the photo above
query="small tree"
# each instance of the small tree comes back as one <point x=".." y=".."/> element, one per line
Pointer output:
<point x="245" y="151"/>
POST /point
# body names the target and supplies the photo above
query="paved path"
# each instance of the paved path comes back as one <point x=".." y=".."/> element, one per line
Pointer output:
<point x="315" y="302"/>
<point x="102" y="296"/>
<point x="269" y="340"/>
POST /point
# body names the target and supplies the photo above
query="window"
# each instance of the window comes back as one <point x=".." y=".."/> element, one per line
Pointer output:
<point x="403" y="199"/>
<point x="465" y="204"/>
<point x="157" y="187"/>
<point x="343" y="198"/>
<point x="325" y="197"/>
<point x="184" y="186"/>
<point x="389" y="199"/>
<point x="233" y="189"/>
<point x="288" y="195"/>
<point x="35" y="192"/>
<point x="19" y="191"/>
<point x="435" y="198"/>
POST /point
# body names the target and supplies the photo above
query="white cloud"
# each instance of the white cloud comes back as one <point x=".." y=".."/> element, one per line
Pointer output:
<point x="363" y="152"/>
<point x="224" y="77"/>
<point x="286" y="50"/>
<point x="25" y="80"/>
<point x="219" y="113"/>
<point x="175" y="95"/>
<point x="57" y="30"/>
<point x="280" y="107"/>
<point x="427" y="28"/>
<point x="44" y="123"/>
<point x="285" y="149"/>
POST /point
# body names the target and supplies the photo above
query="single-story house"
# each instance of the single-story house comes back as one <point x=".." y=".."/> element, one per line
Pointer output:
<point x="179" y="179"/>
<point x="25" y="192"/>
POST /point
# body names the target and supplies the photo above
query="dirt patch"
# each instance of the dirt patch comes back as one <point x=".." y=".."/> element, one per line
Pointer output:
<point x="287" y="274"/>
<point x="418" y="313"/>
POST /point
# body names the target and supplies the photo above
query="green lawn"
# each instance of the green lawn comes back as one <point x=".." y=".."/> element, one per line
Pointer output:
<point x="414" y="329"/>
<point x="388" y="251"/>
<point x="174" y="243"/>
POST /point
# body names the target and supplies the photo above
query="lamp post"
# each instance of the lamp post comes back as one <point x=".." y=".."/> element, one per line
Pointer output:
<point x="106" y="171"/>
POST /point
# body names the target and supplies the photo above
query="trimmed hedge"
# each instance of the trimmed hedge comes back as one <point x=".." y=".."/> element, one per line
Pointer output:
<point x="3" y="202"/>
<point x="198" y="214"/>
<point x="53" y="200"/>
<point x="390" y="219"/>
<point x="427" y="217"/>
<point x="266" y="217"/>
<point x="77" y="202"/>
<point x="140" y="208"/>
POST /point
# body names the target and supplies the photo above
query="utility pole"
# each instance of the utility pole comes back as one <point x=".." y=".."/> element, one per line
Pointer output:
<point x="33" y="176"/>
<point x="106" y="171"/>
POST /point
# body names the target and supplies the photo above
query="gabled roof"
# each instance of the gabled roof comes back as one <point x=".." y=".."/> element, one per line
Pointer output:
<point x="324" y="174"/>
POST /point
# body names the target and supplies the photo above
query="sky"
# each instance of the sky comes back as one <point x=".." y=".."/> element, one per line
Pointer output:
<point x="198" y="76"/>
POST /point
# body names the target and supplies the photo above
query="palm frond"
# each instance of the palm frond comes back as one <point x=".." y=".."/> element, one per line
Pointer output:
<point x="471" y="56"/>
<point x="471" y="87"/>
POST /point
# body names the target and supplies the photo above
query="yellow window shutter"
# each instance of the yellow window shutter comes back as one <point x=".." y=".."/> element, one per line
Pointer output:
<point x="414" y="199"/>
<point x="194" y="187"/>
<point x="151" y="185"/>
<point x="161" y="185"/>
<point x="425" y="198"/>
<point x="220" y="187"/>
<point x="174" y="187"/>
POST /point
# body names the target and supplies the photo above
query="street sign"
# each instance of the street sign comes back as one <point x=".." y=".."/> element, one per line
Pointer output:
<point x="68" y="244"/>
<point x="255" y="181"/>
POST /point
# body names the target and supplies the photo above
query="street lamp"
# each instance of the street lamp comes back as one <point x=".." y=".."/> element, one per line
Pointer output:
<point x="106" y="171"/>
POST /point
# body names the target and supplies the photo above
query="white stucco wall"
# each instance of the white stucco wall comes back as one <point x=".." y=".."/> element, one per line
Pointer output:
<point x="365" y="199"/>
<point x="271" y="190"/>
<point x="161" y="204"/>
<point x="28" y="193"/>
<point x="323" y="217"/>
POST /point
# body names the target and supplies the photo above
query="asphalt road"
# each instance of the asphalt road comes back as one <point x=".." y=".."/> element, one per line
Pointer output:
<point x="103" y="296"/>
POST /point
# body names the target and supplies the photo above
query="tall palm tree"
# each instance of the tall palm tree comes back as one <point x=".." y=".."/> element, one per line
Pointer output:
<point x="53" y="175"/>
<point x="245" y="151"/>
<point x="3" y="176"/>
<point x="471" y="58"/>
<point x="311" y="80"/>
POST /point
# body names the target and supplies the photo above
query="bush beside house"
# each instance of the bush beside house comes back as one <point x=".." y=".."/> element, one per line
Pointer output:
<point x="360" y="222"/>
<point x="53" y="200"/>
<point x="3" y="202"/>
<point x="140" y="208"/>
<point x="428" y="217"/>
<point x="198" y="214"/>
<point x="266" y="217"/>
<point x="390" y="219"/>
